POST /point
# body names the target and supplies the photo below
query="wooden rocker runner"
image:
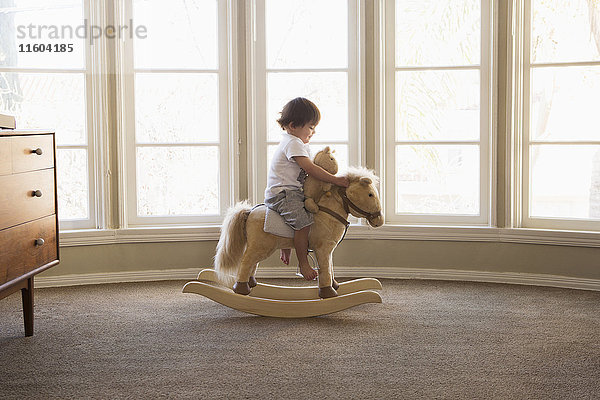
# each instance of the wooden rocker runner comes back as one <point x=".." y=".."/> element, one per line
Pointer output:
<point x="286" y="301"/>
<point x="244" y="243"/>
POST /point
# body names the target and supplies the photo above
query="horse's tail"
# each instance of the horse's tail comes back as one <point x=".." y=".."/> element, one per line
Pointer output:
<point x="232" y="242"/>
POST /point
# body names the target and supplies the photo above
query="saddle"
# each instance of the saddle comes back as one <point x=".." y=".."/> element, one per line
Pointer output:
<point x="275" y="224"/>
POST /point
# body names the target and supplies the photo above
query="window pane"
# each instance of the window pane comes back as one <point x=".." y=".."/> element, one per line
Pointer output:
<point x="24" y="22"/>
<point x="565" y="30"/>
<point x="328" y="90"/>
<point x="437" y="105"/>
<point x="180" y="34"/>
<point x="565" y="103"/>
<point x="565" y="181"/>
<point x="48" y="101"/>
<point x="438" y="32"/>
<point x="72" y="176"/>
<point x="176" y="108"/>
<point x="178" y="180"/>
<point x="437" y="179"/>
<point x="295" y="31"/>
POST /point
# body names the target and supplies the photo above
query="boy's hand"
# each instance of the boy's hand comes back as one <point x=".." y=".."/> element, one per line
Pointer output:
<point x="342" y="181"/>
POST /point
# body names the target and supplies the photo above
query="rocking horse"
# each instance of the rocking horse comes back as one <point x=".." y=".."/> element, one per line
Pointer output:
<point x="244" y="243"/>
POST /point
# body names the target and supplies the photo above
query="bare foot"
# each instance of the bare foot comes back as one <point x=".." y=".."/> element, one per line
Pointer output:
<point x="284" y="254"/>
<point x="307" y="272"/>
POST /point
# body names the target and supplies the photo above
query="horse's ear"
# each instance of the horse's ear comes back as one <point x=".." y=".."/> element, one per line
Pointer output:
<point x="327" y="149"/>
<point x="365" y="181"/>
<point x="332" y="151"/>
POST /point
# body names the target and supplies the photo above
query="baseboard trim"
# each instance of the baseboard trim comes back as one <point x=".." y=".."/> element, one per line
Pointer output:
<point x="341" y="272"/>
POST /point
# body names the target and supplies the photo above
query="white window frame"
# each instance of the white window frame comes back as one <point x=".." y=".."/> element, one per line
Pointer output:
<point x="126" y="106"/>
<point x="257" y="98"/>
<point x="487" y="203"/>
<point x="93" y="106"/>
<point x="523" y="22"/>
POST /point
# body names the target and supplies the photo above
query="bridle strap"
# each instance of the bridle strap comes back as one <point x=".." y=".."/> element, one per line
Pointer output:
<point x="335" y="215"/>
<point x="347" y="202"/>
<point x="339" y="218"/>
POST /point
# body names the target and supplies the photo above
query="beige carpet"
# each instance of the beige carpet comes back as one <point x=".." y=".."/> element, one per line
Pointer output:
<point x="428" y="340"/>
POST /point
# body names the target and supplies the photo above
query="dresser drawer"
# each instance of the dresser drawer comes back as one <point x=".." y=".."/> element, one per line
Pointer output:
<point x="17" y="201"/>
<point x="5" y="156"/>
<point x="24" y="156"/>
<point x="21" y="254"/>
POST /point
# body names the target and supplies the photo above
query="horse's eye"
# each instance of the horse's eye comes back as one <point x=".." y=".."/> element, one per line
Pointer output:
<point x="370" y="194"/>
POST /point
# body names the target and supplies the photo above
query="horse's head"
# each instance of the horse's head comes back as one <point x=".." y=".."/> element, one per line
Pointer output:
<point x="361" y="198"/>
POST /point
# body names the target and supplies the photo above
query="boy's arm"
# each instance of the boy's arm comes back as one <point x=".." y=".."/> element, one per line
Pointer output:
<point x="317" y="172"/>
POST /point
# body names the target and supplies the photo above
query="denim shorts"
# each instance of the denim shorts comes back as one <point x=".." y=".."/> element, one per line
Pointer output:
<point x="289" y="204"/>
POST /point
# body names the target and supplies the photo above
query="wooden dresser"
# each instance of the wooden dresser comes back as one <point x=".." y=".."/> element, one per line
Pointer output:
<point x="28" y="213"/>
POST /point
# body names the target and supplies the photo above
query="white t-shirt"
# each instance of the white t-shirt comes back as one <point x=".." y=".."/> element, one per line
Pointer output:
<point x="284" y="172"/>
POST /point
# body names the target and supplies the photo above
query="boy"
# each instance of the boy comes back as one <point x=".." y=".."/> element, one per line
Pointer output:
<point x="290" y="165"/>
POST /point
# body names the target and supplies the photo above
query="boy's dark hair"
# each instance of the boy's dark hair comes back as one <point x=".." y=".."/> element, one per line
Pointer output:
<point x="299" y="112"/>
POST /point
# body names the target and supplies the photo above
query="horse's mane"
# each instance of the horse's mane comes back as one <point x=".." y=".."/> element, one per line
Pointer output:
<point x="355" y="173"/>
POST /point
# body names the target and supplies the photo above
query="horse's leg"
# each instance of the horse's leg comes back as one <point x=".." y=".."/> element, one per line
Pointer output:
<point x="252" y="280"/>
<point x="256" y="251"/>
<point x="247" y="268"/>
<point x="259" y="246"/>
<point x="325" y="272"/>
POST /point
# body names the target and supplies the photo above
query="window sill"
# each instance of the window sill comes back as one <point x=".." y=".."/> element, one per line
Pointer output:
<point x="90" y="237"/>
<point x="478" y="234"/>
<point x="356" y="232"/>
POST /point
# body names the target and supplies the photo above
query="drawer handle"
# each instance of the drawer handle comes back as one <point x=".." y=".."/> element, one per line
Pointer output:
<point x="37" y="193"/>
<point x="39" y="242"/>
<point x="37" y="151"/>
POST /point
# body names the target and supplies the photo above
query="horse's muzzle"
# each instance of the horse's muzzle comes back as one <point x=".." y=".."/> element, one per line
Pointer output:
<point x="376" y="222"/>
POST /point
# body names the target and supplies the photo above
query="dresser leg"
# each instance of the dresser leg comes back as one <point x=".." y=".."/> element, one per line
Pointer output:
<point x="27" y="294"/>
